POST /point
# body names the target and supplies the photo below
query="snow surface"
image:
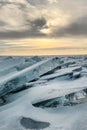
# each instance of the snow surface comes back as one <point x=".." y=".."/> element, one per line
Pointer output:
<point x="19" y="104"/>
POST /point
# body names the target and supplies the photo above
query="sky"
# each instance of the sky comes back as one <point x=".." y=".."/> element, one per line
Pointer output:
<point x="43" y="27"/>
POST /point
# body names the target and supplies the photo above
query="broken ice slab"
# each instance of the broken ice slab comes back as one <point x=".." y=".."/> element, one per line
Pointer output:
<point x="76" y="75"/>
<point x="67" y="63"/>
<point x="17" y="80"/>
<point x="28" y="62"/>
<point x="57" y="75"/>
<point x="23" y="65"/>
<point x="77" y="69"/>
<point x="10" y="62"/>
<point x="37" y="58"/>
<point x="15" y="63"/>
<point x="68" y="99"/>
<point x="61" y="73"/>
<point x="7" y="71"/>
<point x="35" y="82"/>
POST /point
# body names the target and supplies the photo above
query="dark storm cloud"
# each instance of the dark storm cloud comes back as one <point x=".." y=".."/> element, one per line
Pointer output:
<point x="37" y="2"/>
<point x="34" y="30"/>
<point x="2" y="23"/>
<point x="21" y="34"/>
<point x="39" y="22"/>
<point x="26" y="10"/>
<point x="75" y="28"/>
<point x="4" y="3"/>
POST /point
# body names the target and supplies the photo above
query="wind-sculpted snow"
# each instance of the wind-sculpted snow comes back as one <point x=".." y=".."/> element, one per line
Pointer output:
<point x="54" y="94"/>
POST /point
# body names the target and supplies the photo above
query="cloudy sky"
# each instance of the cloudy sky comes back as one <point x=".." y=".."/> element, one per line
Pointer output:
<point x="43" y="27"/>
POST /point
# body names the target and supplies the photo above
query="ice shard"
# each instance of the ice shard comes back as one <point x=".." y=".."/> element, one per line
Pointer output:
<point x="17" y="80"/>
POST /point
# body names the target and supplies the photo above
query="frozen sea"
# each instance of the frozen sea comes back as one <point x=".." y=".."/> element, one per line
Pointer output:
<point x="43" y="93"/>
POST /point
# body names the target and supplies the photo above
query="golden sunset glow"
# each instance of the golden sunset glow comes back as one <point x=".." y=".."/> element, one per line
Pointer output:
<point x="44" y="47"/>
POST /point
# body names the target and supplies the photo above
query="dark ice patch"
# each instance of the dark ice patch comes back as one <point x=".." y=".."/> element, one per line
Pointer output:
<point x="29" y="123"/>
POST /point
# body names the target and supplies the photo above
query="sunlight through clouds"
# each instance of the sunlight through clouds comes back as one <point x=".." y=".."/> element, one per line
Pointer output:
<point x="43" y="25"/>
